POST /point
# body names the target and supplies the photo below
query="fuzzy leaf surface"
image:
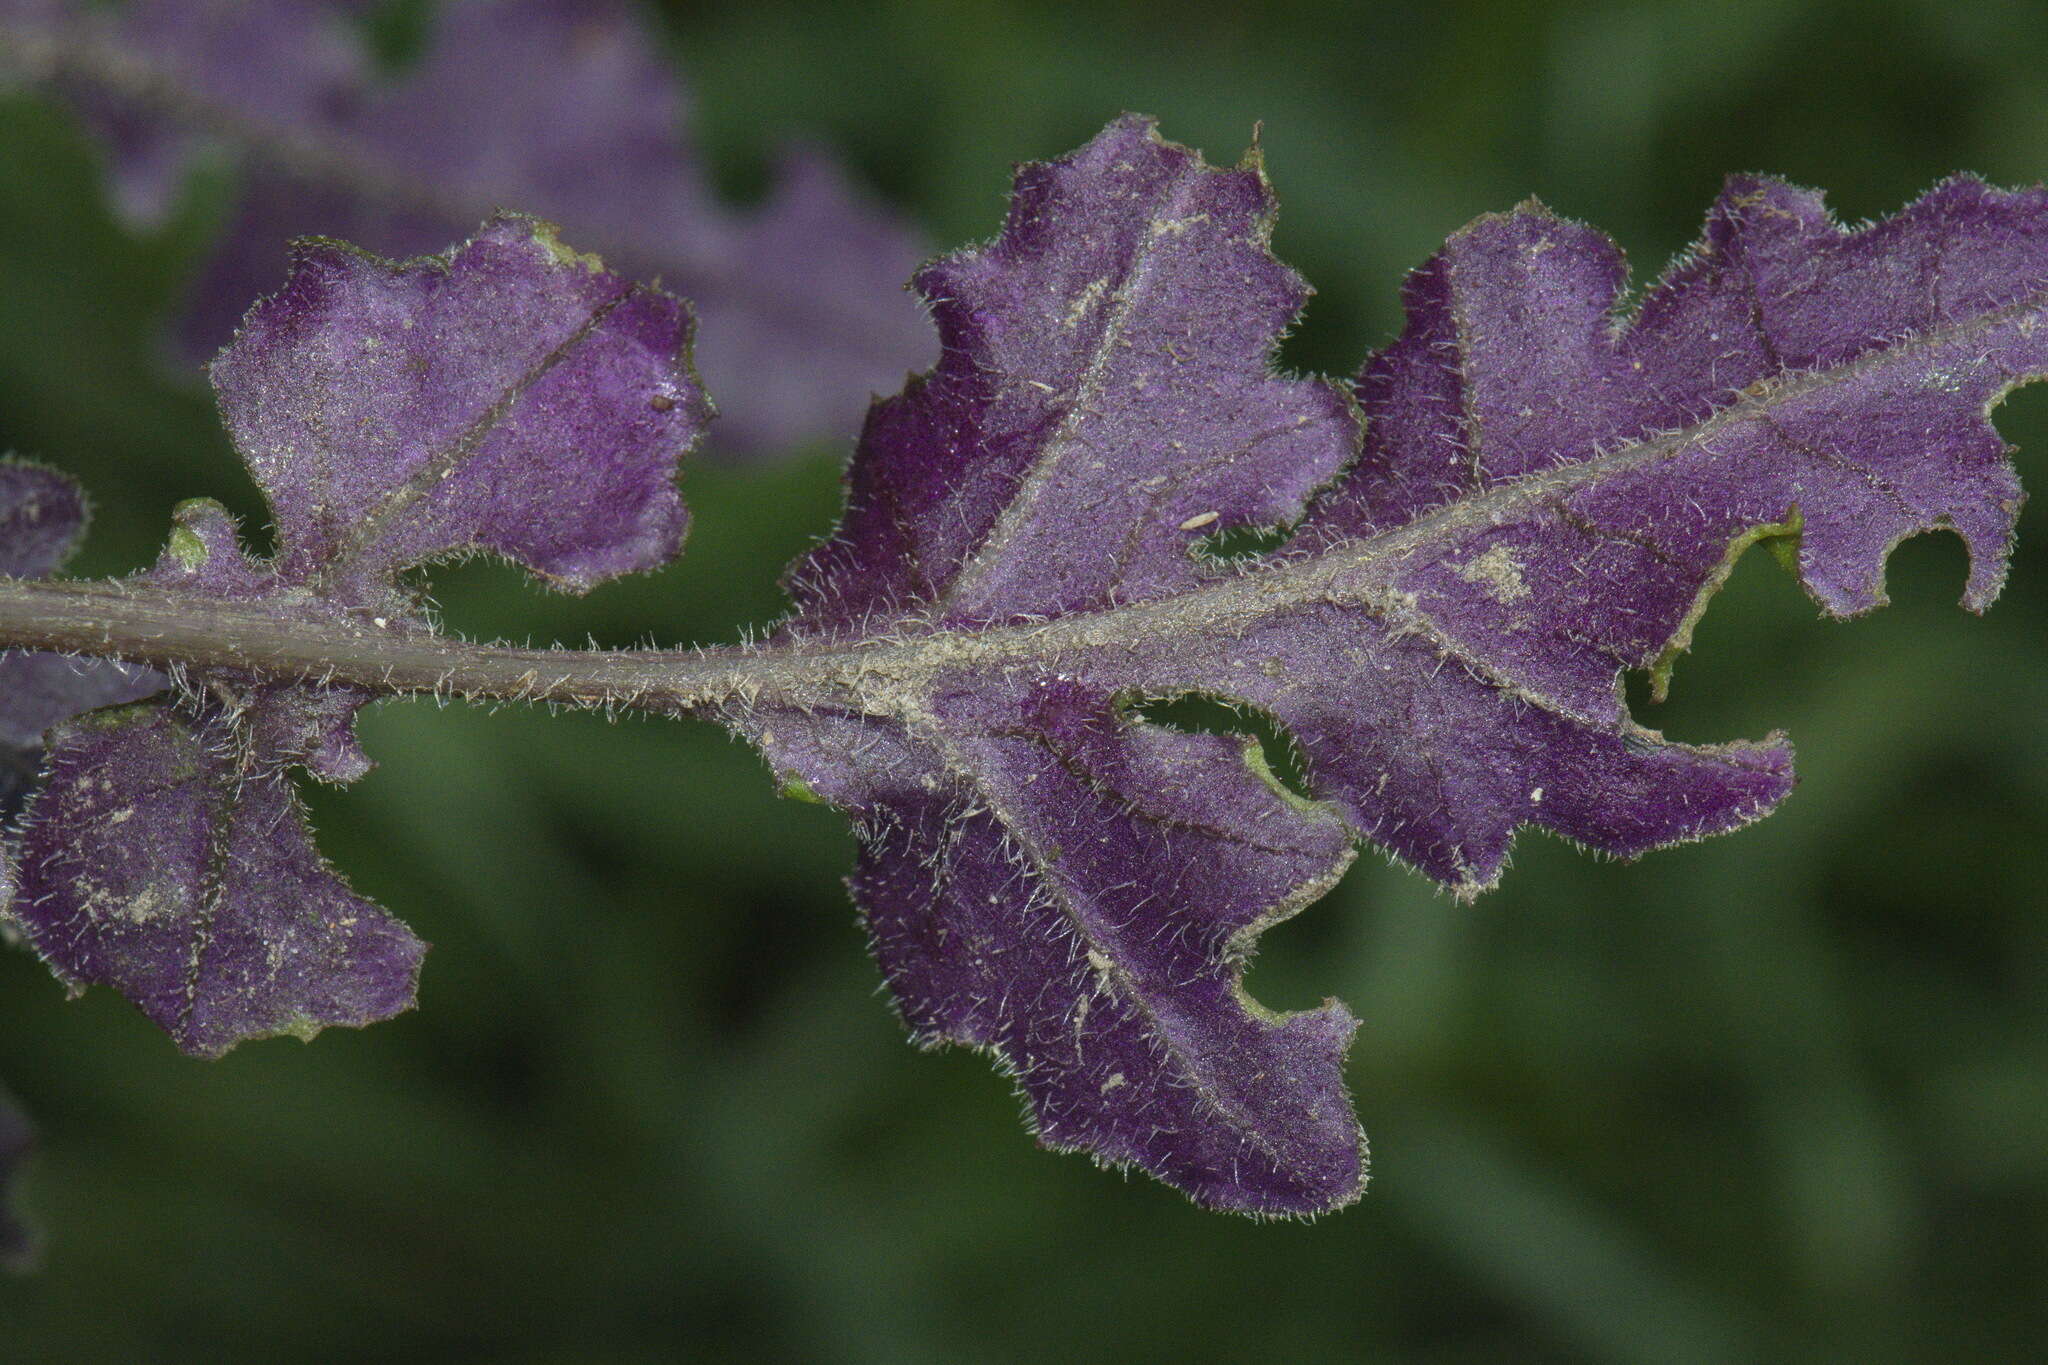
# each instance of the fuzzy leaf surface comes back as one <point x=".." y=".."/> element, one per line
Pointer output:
<point x="42" y="519"/>
<point x="562" y="108"/>
<point x="510" y="398"/>
<point x="1547" y="488"/>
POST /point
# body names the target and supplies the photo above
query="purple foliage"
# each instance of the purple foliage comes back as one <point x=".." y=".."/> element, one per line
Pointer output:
<point x="511" y="398"/>
<point x="1548" y="492"/>
<point x="563" y="108"/>
<point x="42" y="519"/>
<point x="214" y="913"/>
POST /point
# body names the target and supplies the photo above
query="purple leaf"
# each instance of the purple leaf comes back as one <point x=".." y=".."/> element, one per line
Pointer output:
<point x="42" y="518"/>
<point x="514" y="398"/>
<point x="216" y="916"/>
<point x="564" y="109"/>
<point x="509" y="397"/>
<point x="17" y="1139"/>
<point x="1548" y="492"/>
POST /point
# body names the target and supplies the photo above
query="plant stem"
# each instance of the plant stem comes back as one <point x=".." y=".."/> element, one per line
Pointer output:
<point x="168" y="628"/>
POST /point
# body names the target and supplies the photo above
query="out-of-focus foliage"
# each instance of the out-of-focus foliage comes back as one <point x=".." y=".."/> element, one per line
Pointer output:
<point x="1780" y="1096"/>
<point x="558" y="106"/>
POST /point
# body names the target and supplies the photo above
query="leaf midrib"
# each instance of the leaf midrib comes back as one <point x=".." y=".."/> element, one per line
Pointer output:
<point x="442" y="465"/>
<point x="1018" y="514"/>
<point x="1357" y="572"/>
<point x="1237" y="1117"/>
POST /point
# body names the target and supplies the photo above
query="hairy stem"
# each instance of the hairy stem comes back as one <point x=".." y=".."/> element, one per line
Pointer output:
<point x="168" y="628"/>
<point x="888" y="675"/>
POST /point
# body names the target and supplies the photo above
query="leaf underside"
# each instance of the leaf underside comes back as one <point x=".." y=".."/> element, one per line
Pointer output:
<point x="1543" y="492"/>
<point x="511" y="398"/>
<point x="1545" y="489"/>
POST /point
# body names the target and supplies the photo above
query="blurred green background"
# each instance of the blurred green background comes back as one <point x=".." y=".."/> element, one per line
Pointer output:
<point x="1780" y="1096"/>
